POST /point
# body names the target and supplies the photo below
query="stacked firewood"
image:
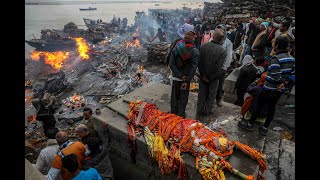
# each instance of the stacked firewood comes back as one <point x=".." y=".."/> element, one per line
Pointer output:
<point x="157" y="51"/>
<point x="245" y="8"/>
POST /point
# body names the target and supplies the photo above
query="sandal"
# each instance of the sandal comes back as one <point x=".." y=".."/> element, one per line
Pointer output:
<point x="245" y="125"/>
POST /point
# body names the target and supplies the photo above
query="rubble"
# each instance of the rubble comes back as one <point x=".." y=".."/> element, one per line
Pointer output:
<point x="244" y="9"/>
<point x="157" y="51"/>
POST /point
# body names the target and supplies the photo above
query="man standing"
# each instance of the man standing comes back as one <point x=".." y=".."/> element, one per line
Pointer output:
<point x="212" y="57"/>
<point x="183" y="64"/>
<point x="228" y="46"/>
<point x="280" y="76"/>
<point x="161" y="35"/>
<point x="66" y="147"/>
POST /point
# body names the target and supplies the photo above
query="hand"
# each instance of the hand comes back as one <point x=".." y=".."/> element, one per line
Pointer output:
<point x="104" y="125"/>
<point x="280" y="87"/>
<point x="184" y="86"/>
<point x="184" y="78"/>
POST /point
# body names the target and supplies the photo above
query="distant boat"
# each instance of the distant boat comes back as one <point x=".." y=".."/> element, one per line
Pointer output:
<point x="157" y="4"/>
<point x="88" y="9"/>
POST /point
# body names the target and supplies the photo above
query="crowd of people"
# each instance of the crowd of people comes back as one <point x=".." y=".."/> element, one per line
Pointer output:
<point x="86" y="158"/>
<point x="266" y="65"/>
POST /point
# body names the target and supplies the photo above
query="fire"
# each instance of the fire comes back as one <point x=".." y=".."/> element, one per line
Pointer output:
<point x="140" y="69"/>
<point x="54" y="59"/>
<point x="83" y="48"/>
<point x="74" y="101"/>
<point x="134" y="43"/>
<point x="32" y="118"/>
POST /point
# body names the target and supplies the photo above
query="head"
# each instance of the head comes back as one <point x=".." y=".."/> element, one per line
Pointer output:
<point x="218" y="35"/>
<point x="258" y="21"/>
<point x="70" y="162"/>
<point x="281" y="43"/>
<point x="247" y="60"/>
<point x="284" y="26"/>
<point x="264" y="26"/>
<point x="82" y="130"/>
<point x="51" y="133"/>
<point x="184" y="29"/>
<point x="87" y="113"/>
<point x="61" y="137"/>
<point x="93" y="144"/>
<point x="189" y="37"/>
<point x="159" y="30"/>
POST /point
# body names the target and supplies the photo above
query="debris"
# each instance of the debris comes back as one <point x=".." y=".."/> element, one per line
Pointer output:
<point x="277" y="128"/>
<point x="157" y="51"/>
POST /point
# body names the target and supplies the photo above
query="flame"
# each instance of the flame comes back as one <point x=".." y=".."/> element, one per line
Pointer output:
<point x="28" y="96"/>
<point x="54" y="59"/>
<point x="74" y="101"/>
<point x="83" y="48"/>
<point x="134" y="43"/>
<point x="140" y="69"/>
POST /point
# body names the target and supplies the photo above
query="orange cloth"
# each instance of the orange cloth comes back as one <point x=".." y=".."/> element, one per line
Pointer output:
<point x="246" y="105"/>
<point x="262" y="79"/>
<point x="76" y="148"/>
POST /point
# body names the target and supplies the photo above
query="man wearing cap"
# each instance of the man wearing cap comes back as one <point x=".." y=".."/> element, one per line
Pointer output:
<point x="183" y="64"/>
<point x="212" y="57"/>
<point x="180" y="35"/>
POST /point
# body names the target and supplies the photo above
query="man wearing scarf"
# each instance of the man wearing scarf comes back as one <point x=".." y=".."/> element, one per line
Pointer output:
<point x="212" y="58"/>
<point x="183" y="64"/>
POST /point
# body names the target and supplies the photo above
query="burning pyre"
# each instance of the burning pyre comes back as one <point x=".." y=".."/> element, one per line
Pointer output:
<point x="57" y="59"/>
<point x="54" y="59"/>
<point x="74" y="101"/>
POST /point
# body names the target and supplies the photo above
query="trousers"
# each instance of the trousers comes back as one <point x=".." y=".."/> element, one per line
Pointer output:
<point x="179" y="98"/>
<point x="206" y="96"/>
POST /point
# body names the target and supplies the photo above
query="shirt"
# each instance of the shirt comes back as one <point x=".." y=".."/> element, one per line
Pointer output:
<point x="46" y="156"/>
<point x="76" y="148"/>
<point x="90" y="174"/>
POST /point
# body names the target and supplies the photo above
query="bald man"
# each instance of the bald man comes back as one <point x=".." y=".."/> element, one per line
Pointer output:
<point x="66" y="147"/>
<point x="212" y="57"/>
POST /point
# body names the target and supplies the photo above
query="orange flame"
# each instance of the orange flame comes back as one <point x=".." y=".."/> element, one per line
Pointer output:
<point x="135" y="43"/>
<point x="140" y="69"/>
<point x="54" y="59"/>
<point x="32" y="118"/>
<point x="83" y="48"/>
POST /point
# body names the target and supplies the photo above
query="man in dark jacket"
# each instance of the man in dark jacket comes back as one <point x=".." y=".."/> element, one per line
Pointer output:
<point x="98" y="158"/>
<point x="280" y="76"/>
<point x="252" y="34"/>
<point x="183" y="64"/>
<point x="212" y="57"/>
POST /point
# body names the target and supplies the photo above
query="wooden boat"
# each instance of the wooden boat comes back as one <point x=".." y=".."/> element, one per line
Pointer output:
<point x="64" y="44"/>
<point x="88" y="9"/>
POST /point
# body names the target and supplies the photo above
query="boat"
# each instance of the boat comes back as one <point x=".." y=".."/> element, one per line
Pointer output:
<point x="88" y="9"/>
<point x="93" y="24"/>
<point x="64" y="44"/>
<point x="157" y="4"/>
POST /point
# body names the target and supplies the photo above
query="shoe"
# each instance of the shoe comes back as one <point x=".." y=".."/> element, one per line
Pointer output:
<point x="246" y="125"/>
<point x="263" y="130"/>
<point x="219" y="103"/>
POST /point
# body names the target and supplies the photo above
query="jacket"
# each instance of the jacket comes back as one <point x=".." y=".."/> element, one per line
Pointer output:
<point x="46" y="156"/>
<point x="252" y="34"/>
<point x="189" y="66"/>
<point x="212" y="57"/>
<point x="281" y="68"/>
<point x="259" y="49"/>
<point x="101" y="162"/>
<point x="246" y="76"/>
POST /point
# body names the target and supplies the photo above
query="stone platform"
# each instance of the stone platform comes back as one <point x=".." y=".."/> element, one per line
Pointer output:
<point x="230" y="95"/>
<point x="145" y="168"/>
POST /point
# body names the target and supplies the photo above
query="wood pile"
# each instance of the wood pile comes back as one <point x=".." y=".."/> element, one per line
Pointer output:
<point x="157" y="51"/>
<point x="246" y="8"/>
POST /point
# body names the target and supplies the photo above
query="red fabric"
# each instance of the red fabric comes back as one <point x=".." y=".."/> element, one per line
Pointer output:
<point x="246" y="105"/>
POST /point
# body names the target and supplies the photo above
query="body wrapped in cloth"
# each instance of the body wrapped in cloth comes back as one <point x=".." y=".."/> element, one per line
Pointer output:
<point x="167" y="135"/>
